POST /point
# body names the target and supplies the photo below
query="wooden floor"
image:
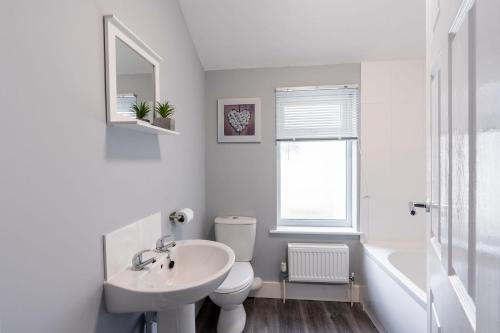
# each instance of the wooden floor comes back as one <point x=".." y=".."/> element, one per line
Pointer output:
<point x="267" y="315"/>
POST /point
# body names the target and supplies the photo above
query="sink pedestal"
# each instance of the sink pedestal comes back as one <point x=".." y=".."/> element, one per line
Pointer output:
<point x="180" y="320"/>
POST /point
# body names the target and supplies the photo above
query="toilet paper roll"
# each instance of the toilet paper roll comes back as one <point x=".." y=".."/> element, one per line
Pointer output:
<point x="184" y="216"/>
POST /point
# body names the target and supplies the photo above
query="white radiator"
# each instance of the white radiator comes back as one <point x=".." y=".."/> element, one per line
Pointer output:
<point x="318" y="262"/>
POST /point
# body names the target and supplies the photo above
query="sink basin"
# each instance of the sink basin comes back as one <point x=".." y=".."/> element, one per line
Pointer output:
<point x="200" y="267"/>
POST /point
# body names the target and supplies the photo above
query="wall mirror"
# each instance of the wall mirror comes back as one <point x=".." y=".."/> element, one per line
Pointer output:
<point x="132" y="78"/>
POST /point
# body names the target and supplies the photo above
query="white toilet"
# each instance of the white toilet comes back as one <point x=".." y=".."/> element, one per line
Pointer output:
<point x="239" y="234"/>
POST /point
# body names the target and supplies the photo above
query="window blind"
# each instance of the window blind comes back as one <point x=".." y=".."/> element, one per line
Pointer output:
<point x="317" y="113"/>
<point x="125" y="102"/>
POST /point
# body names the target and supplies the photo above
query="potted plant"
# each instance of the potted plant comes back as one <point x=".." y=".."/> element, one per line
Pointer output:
<point x="166" y="112"/>
<point x="141" y="110"/>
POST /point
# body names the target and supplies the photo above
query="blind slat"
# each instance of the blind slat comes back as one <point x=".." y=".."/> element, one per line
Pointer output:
<point x="125" y="103"/>
<point x="317" y="113"/>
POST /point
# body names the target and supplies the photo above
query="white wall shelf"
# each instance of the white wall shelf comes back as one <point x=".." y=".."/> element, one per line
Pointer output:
<point x="143" y="126"/>
<point x="116" y="32"/>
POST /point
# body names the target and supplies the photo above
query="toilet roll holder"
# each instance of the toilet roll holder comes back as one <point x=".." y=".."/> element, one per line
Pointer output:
<point x="176" y="217"/>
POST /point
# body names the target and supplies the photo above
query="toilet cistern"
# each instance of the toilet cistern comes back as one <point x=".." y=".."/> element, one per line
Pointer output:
<point x="237" y="232"/>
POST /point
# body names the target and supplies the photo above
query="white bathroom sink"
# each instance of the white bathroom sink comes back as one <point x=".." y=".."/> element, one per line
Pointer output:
<point x="200" y="267"/>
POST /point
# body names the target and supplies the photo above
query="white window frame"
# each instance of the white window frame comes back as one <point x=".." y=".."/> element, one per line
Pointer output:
<point x="352" y="190"/>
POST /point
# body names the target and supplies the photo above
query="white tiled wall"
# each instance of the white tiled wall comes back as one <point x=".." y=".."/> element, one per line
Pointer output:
<point x="392" y="149"/>
<point x="120" y="245"/>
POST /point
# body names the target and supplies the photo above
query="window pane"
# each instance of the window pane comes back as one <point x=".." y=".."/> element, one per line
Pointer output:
<point x="313" y="180"/>
<point x="125" y="102"/>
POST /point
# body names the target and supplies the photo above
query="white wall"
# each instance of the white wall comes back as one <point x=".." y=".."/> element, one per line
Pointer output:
<point x="66" y="178"/>
<point x="392" y="150"/>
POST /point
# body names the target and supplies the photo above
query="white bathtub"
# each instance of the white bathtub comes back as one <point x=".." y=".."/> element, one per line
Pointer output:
<point x="394" y="286"/>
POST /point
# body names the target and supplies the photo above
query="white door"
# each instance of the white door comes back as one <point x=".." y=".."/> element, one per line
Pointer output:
<point x="463" y="70"/>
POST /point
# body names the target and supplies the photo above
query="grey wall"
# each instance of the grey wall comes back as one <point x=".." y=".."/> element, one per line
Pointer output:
<point x="142" y="85"/>
<point x="66" y="178"/>
<point x="241" y="178"/>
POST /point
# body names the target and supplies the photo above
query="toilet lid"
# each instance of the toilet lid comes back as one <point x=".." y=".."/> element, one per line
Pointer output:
<point x="239" y="277"/>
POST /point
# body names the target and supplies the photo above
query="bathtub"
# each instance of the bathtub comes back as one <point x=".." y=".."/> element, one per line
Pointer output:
<point x="394" y="286"/>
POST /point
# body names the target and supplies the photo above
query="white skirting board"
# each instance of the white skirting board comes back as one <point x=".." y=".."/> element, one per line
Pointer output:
<point x="372" y="317"/>
<point x="307" y="291"/>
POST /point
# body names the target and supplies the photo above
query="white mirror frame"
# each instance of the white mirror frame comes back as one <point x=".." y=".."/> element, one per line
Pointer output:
<point x="113" y="29"/>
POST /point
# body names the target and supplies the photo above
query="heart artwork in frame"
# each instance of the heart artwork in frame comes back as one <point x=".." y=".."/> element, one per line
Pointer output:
<point x="239" y="120"/>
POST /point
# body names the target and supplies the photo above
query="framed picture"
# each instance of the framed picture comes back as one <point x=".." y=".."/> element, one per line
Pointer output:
<point x="239" y="120"/>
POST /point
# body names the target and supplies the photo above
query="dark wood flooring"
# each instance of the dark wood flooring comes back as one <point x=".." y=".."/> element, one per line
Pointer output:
<point x="267" y="315"/>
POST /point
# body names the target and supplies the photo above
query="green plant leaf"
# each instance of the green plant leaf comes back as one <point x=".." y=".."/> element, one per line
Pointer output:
<point x="140" y="109"/>
<point x="165" y="110"/>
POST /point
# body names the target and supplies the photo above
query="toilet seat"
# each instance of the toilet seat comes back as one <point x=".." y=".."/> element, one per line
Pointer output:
<point x="240" y="276"/>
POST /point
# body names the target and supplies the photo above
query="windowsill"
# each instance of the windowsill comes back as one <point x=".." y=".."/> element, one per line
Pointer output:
<point x="346" y="231"/>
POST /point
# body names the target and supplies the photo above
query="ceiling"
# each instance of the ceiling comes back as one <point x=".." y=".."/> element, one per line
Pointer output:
<point x="274" y="33"/>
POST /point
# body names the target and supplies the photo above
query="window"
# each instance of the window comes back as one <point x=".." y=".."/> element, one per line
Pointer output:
<point x="125" y="103"/>
<point x="316" y="134"/>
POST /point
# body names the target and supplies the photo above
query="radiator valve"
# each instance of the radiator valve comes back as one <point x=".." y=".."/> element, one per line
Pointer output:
<point x="283" y="271"/>
<point x="284" y="276"/>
